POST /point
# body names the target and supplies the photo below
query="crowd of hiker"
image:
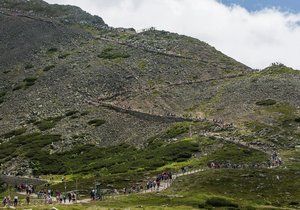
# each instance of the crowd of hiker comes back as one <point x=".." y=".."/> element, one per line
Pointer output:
<point x="229" y="165"/>
<point x="29" y="189"/>
<point x="8" y="202"/>
<point x="151" y="184"/>
<point x="47" y="196"/>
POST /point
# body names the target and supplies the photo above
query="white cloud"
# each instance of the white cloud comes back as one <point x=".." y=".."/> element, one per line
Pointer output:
<point x="256" y="39"/>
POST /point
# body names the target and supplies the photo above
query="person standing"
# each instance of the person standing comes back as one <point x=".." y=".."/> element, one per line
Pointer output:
<point x="4" y="202"/>
<point x="16" y="201"/>
<point x="27" y="199"/>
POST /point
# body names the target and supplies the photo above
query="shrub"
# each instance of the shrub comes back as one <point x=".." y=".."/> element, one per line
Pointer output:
<point x="71" y="113"/>
<point x="48" y="68"/>
<point x="63" y="56"/>
<point x="267" y="102"/>
<point x="96" y="122"/>
<point x="18" y="87"/>
<point x="2" y="94"/>
<point x="297" y="120"/>
<point x="110" y="53"/>
<point x="220" y="202"/>
<point x="84" y="113"/>
<point x="16" y="132"/>
<point x="177" y="129"/>
<point x="28" y="66"/>
<point x="48" y="123"/>
<point x="30" y="81"/>
<point x="52" y="50"/>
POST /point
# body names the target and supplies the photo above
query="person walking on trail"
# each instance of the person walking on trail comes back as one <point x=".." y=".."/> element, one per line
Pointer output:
<point x="64" y="197"/>
<point x="93" y="195"/>
<point x="16" y="201"/>
<point x="4" y="201"/>
<point x="158" y="184"/>
<point x="69" y="197"/>
<point x="27" y="199"/>
<point x="73" y="197"/>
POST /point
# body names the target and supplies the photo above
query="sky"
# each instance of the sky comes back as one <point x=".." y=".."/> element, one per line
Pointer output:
<point x="254" y="32"/>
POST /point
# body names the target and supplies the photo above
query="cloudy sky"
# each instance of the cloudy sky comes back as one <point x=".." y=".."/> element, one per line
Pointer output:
<point x="255" y="32"/>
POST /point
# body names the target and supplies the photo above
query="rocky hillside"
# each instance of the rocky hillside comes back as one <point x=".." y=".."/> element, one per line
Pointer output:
<point x="68" y="80"/>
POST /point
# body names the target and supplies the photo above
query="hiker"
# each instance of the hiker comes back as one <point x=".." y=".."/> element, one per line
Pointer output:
<point x="69" y="197"/>
<point x="49" y="199"/>
<point x="158" y="184"/>
<point x="27" y="199"/>
<point x="4" y="202"/>
<point x="73" y="197"/>
<point x="64" y="197"/>
<point x="16" y="201"/>
<point x="170" y="175"/>
<point x="8" y="201"/>
<point x="93" y="194"/>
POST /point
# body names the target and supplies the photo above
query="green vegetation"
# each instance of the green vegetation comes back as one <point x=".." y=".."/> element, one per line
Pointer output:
<point x="16" y="132"/>
<point x="220" y="202"/>
<point x="96" y="122"/>
<point x="177" y="129"/>
<point x="84" y="113"/>
<point x="52" y="50"/>
<point x="2" y="95"/>
<point x="267" y="102"/>
<point x="18" y="87"/>
<point x="63" y="56"/>
<point x="112" y="53"/>
<point x="48" y="68"/>
<point x="259" y="186"/>
<point x="71" y="113"/>
<point x="28" y="66"/>
<point x="238" y="155"/>
<point x="32" y="147"/>
<point x="278" y="69"/>
<point x="29" y="81"/>
<point x="48" y="123"/>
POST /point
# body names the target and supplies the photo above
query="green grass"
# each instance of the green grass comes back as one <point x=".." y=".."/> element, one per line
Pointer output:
<point x="247" y="187"/>
<point x="220" y="202"/>
<point x="112" y="53"/>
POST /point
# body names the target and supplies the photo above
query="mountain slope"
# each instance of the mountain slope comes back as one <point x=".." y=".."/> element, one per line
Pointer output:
<point x="77" y="96"/>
